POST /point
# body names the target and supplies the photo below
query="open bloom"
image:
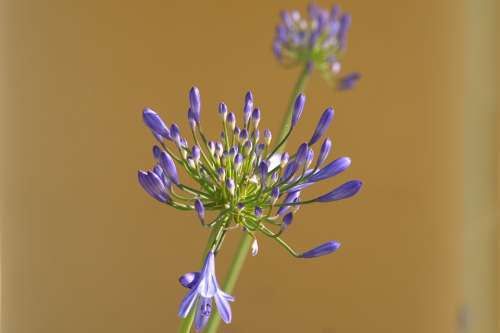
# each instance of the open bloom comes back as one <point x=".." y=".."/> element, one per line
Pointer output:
<point x="317" y="41"/>
<point x="203" y="289"/>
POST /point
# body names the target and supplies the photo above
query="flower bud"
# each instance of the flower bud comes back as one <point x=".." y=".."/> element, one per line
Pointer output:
<point x="195" y="153"/>
<point x="284" y="160"/>
<point x="223" y="111"/>
<point x="324" y="151"/>
<point x="322" y="126"/>
<point x="258" y="212"/>
<point x="267" y="136"/>
<point x="168" y="165"/>
<point x="331" y="169"/>
<point x="189" y="280"/>
<point x="211" y="147"/>
<point x="298" y="108"/>
<point x="231" y="120"/>
<point x="275" y="193"/>
<point x="247" y="109"/>
<point x="256" y="117"/>
<point x="247" y="148"/>
<point x="221" y="173"/>
<point x="230" y="186"/>
<point x="200" y="209"/>
<point x="156" y="152"/>
<point x="195" y="103"/>
<point x="287" y="219"/>
<point x="323" y="249"/>
<point x="155" y="123"/>
<point x="344" y="191"/>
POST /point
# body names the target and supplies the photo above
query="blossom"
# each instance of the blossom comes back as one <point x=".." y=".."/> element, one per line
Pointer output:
<point x="240" y="183"/>
<point x="317" y="41"/>
<point x="203" y="288"/>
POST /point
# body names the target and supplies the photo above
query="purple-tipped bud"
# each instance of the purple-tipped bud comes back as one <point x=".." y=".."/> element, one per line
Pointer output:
<point x="256" y="117"/>
<point x="168" y="165"/>
<point x="195" y="103"/>
<point x="231" y="120"/>
<point x="219" y="148"/>
<point x="258" y="212"/>
<point x="195" y="153"/>
<point x="345" y="22"/>
<point x="190" y="279"/>
<point x="156" y="152"/>
<point x="238" y="160"/>
<point x="237" y="132"/>
<point x="331" y="169"/>
<point x="243" y="135"/>
<point x="302" y="154"/>
<point x="324" y="151"/>
<point x="200" y="209"/>
<point x="175" y="133"/>
<point x="284" y="159"/>
<point x="322" y="126"/>
<point x="344" y="191"/>
<point x="247" y="109"/>
<point x="298" y="108"/>
<point x="255" y="135"/>
<point x="323" y="249"/>
<point x="223" y="110"/>
<point x="211" y="147"/>
<point x="348" y="81"/>
<point x="290" y="169"/>
<point x="191" y="118"/>
<point x="155" y="123"/>
<point x="221" y="173"/>
<point x="153" y="185"/>
<point x="275" y="193"/>
<point x="240" y="206"/>
<point x="247" y="148"/>
<point x="287" y="219"/>
<point x="230" y="186"/>
<point x="267" y="136"/>
<point x="233" y="150"/>
<point x="263" y="169"/>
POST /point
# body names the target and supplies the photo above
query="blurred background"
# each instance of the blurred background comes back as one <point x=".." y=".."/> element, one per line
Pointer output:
<point x="84" y="249"/>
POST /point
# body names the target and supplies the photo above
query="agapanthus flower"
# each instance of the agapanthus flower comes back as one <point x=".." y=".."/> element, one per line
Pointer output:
<point x="317" y="42"/>
<point x="242" y="183"/>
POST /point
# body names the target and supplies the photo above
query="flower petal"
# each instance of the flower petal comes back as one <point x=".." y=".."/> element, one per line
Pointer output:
<point x="223" y="307"/>
<point x="188" y="302"/>
<point x="203" y="312"/>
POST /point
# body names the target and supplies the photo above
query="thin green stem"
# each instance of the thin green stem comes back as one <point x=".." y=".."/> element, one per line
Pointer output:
<point x="287" y="119"/>
<point x="232" y="276"/>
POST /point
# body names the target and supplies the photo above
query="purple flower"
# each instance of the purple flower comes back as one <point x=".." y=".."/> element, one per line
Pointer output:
<point x="348" y="81"/>
<point x="204" y="290"/>
<point x="195" y="103"/>
<point x="155" y="123"/>
<point x="323" y="249"/>
<point x="342" y="192"/>
<point x="331" y="169"/>
<point x="200" y="209"/>
<point x="247" y="109"/>
<point x="298" y="108"/>
<point x="168" y="166"/>
<point x="287" y="219"/>
<point x="154" y="186"/>
<point x="189" y="280"/>
<point x="322" y="126"/>
<point x="324" y="152"/>
<point x="223" y="110"/>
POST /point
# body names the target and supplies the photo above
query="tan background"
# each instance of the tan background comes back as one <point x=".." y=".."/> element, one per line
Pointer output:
<point x="85" y="250"/>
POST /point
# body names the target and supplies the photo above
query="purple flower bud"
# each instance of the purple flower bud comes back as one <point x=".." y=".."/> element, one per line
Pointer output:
<point x="263" y="173"/>
<point x="188" y="280"/>
<point x="275" y="193"/>
<point x="240" y="206"/>
<point x="323" y="249"/>
<point x="345" y="22"/>
<point x="153" y="185"/>
<point x="333" y="168"/>
<point x="298" y="108"/>
<point x="301" y="154"/>
<point x="256" y="117"/>
<point x="219" y="148"/>
<point x="237" y="132"/>
<point x="258" y="212"/>
<point x="233" y="150"/>
<point x="223" y="110"/>
<point x="156" y="152"/>
<point x="211" y="147"/>
<point x="342" y="192"/>
<point x="243" y="135"/>
<point x="195" y="153"/>
<point x="348" y="81"/>
<point x="290" y="169"/>
<point x="195" y="103"/>
<point x="267" y="136"/>
<point x="255" y="135"/>
<point x="230" y="186"/>
<point x="200" y="209"/>
<point x="247" y="148"/>
<point x="287" y="219"/>
<point x="324" y="151"/>
<point x="155" y="123"/>
<point x="284" y="159"/>
<point x="238" y="160"/>
<point x="221" y="172"/>
<point x="191" y="118"/>
<point x="322" y="126"/>
<point x="175" y="133"/>
<point x="334" y="12"/>
<point x="168" y="165"/>
<point x="231" y="120"/>
<point x="247" y="109"/>
<point x="277" y="50"/>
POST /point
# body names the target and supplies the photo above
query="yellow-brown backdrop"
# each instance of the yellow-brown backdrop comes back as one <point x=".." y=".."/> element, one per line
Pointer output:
<point x="84" y="249"/>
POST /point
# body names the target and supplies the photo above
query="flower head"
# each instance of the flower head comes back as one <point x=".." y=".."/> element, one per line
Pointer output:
<point x="317" y="41"/>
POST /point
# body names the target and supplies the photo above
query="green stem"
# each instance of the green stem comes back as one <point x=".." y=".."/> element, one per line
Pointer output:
<point x="287" y="119"/>
<point x="232" y="276"/>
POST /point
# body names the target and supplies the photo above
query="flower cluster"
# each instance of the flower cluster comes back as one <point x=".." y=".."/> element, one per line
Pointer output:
<point x="242" y="179"/>
<point x="318" y="42"/>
